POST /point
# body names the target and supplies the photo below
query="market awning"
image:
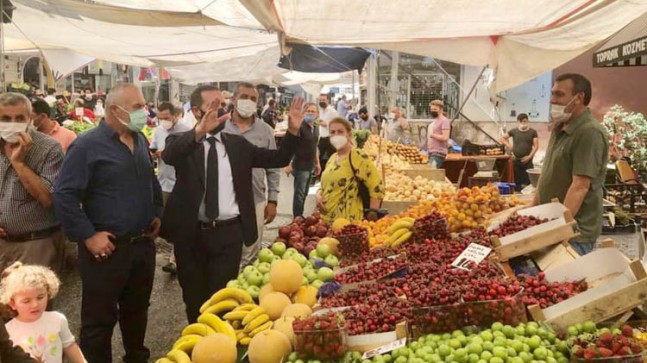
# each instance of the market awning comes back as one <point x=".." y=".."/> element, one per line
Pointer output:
<point x="627" y="48"/>
<point x="519" y="40"/>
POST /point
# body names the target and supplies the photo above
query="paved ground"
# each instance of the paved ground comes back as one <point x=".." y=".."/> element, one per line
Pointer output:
<point x="166" y="314"/>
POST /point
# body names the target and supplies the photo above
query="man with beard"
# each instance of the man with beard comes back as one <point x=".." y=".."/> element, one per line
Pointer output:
<point x="366" y="123"/>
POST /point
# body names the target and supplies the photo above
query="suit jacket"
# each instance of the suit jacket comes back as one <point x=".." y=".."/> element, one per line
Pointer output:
<point x="187" y="156"/>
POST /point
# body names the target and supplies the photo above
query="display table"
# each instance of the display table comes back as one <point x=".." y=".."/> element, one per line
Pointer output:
<point x="454" y="163"/>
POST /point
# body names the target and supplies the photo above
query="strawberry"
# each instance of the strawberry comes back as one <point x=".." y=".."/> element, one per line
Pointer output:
<point x="606" y="339"/>
<point x="590" y="353"/>
<point x="604" y="352"/>
<point x="623" y="351"/>
<point x="627" y="331"/>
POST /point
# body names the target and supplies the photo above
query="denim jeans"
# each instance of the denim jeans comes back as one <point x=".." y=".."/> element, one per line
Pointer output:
<point x="438" y="159"/>
<point x="582" y="247"/>
<point x="301" y="185"/>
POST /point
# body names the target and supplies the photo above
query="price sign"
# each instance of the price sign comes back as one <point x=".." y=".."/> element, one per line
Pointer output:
<point x="474" y="253"/>
<point x="385" y="348"/>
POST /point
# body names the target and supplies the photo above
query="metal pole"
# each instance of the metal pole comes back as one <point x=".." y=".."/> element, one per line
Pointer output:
<point x="468" y="95"/>
<point x="395" y="63"/>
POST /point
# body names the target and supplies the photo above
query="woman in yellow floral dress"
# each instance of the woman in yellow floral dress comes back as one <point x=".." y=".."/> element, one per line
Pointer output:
<point x="339" y="196"/>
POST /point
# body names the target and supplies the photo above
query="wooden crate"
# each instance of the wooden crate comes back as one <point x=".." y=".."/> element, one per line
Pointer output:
<point x="426" y="172"/>
<point x="395" y="207"/>
<point x="528" y="241"/>
<point x="608" y="299"/>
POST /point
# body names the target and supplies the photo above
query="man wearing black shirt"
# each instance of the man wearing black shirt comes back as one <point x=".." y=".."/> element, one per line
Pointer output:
<point x="306" y="159"/>
<point x="110" y="202"/>
<point x="526" y="143"/>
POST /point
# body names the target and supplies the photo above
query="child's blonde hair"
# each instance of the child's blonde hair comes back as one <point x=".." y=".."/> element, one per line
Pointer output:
<point x="19" y="277"/>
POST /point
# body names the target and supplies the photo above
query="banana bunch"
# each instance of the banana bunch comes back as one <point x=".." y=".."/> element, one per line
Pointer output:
<point x="400" y="231"/>
<point x="175" y="356"/>
<point x="249" y="320"/>
<point x="224" y="300"/>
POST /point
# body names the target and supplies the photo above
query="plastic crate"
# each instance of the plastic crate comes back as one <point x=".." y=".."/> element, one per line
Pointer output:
<point x="321" y="344"/>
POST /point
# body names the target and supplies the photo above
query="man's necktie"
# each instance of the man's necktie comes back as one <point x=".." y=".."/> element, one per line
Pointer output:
<point x="211" y="198"/>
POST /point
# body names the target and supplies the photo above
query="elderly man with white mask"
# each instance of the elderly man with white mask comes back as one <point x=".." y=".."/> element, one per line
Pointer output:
<point x="29" y="164"/>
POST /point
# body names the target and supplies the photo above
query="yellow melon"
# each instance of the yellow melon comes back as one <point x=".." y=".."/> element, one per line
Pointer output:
<point x="284" y="325"/>
<point x="299" y="311"/>
<point x="339" y="223"/>
<point x="332" y="243"/>
<point x="274" y="303"/>
<point x="215" y="348"/>
<point x="269" y="346"/>
<point x="265" y="290"/>
<point x="306" y="295"/>
<point x="286" y="276"/>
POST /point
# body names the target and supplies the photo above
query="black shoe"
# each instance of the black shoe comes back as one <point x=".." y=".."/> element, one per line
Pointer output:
<point x="170" y="268"/>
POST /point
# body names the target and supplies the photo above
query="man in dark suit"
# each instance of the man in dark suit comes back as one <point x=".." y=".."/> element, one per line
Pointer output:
<point x="211" y="210"/>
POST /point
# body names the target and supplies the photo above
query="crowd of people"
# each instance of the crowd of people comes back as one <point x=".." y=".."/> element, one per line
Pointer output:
<point x="216" y="187"/>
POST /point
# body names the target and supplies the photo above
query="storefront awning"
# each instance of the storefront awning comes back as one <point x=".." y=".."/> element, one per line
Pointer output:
<point x="627" y="48"/>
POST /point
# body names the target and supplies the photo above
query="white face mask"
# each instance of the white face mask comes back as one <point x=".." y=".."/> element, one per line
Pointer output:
<point x="558" y="112"/>
<point x="338" y="141"/>
<point x="245" y="108"/>
<point x="166" y="124"/>
<point x="524" y="127"/>
<point x="10" y="131"/>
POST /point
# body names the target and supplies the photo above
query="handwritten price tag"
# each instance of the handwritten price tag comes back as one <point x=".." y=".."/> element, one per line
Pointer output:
<point x="385" y="348"/>
<point x="474" y="253"/>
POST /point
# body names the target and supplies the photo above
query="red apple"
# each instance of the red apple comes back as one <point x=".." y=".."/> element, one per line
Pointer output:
<point x="311" y="231"/>
<point x="284" y="232"/>
<point x="322" y="231"/>
<point x="299" y="246"/>
<point x="311" y="221"/>
<point x="299" y="220"/>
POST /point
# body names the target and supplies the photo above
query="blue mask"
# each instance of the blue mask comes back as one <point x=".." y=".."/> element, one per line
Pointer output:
<point x="309" y="118"/>
<point x="138" y="119"/>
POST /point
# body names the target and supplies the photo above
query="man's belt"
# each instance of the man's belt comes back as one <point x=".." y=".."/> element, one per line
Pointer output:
<point x="32" y="236"/>
<point x="128" y="238"/>
<point x="216" y="224"/>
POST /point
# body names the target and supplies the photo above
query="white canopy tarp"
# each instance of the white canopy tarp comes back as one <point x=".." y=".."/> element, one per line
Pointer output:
<point x="518" y="39"/>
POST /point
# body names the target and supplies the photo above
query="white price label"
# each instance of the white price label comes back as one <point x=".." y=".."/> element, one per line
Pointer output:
<point x="474" y="253"/>
<point x="385" y="348"/>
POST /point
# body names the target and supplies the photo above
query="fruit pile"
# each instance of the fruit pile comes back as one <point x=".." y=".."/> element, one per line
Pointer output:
<point x="367" y="319"/>
<point x="353" y="240"/>
<point x="374" y="270"/>
<point x="517" y="223"/>
<point x="400" y="187"/>
<point x="320" y="337"/>
<point x="400" y="232"/>
<point x="589" y="343"/>
<point x="539" y="291"/>
<point x="499" y="344"/>
<point x="303" y="233"/>
<point x="431" y="226"/>
<point x="409" y="153"/>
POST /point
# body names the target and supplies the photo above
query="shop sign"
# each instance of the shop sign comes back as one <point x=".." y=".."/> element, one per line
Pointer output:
<point x="622" y="52"/>
<point x="474" y="253"/>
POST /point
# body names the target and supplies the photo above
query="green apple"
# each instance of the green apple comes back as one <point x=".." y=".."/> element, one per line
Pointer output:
<point x="291" y="251"/>
<point x="310" y="265"/>
<point x="265" y="255"/>
<point x="317" y="283"/>
<point x="244" y="285"/>
<point x="325" y="274"/>
<point x="312" y="275"/>
<point x="300" y="259"/>
<point x="256" y="262"/>
<point x="305" y="281"/>
<point x="279" y="248"/>
<point x="264" y="267"/>
<point x="255" y="278"/>
<point x="332" y="260"/>
<point x="266" y="279"/>
<point x="233" y="283"/>
<point x="240" y="278"/>
<point x="313" y="254"/>
<point x="323" y="250"/>
<point x="248" y="271"/>
<point x="274" y="259"/>
<point x="254" y="291"/>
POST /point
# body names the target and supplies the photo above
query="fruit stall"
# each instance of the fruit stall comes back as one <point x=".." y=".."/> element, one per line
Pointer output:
<point x="433" y="283"/>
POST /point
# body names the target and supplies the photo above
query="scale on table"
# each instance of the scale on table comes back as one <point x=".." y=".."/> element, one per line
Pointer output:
<point x="485" y="168"/>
